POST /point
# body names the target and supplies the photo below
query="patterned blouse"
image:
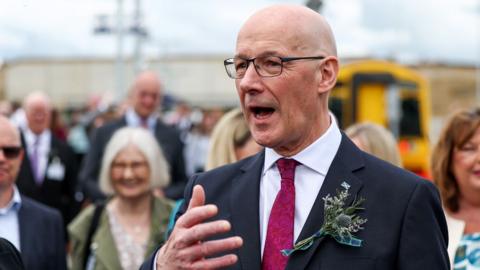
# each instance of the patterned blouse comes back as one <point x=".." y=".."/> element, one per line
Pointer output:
<point x="132" y="254"/>
<point x="467" y="256"/>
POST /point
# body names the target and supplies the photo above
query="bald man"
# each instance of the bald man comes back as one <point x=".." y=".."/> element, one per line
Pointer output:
<point x="49" y="170"/>
<point x="242" y="216"/>
<point x="145" y="98"/>
<point x="33" y="228"/>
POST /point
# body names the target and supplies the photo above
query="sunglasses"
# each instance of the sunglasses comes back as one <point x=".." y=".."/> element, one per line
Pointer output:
<point x="11" y="152"/>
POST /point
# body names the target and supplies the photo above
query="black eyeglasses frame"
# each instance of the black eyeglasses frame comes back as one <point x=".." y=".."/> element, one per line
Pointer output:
<point x="231" y="61"/>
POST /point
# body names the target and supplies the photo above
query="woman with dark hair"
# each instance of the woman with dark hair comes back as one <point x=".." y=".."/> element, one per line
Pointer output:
<point x="456" y="172"/>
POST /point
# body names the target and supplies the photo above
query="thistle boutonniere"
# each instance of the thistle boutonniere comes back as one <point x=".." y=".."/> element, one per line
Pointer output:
<point x="340" y="222"/>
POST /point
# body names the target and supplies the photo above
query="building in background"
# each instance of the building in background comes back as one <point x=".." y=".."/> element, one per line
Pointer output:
<point x="199" y="80"/>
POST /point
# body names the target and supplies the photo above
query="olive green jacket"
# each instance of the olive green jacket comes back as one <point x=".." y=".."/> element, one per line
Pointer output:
<point x="103" y="246"/>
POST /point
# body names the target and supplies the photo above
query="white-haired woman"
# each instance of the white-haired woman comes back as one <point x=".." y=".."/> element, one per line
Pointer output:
<point x="132" y="223"/>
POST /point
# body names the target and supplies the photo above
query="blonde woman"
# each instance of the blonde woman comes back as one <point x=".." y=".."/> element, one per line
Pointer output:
<point x="133" y="221"/>
<point x="376" y="140"/>
<point x="231" y="140"/>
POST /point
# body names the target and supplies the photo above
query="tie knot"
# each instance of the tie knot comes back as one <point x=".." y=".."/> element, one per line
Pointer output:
<point x="287" y="166"/>
<point x="144" y="122"/>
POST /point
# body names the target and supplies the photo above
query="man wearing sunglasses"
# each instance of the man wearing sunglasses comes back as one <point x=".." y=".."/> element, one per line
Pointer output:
<point x="34" y="229"/>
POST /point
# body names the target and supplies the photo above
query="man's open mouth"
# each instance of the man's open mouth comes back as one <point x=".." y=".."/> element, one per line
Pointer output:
<point x="262" y="112"/>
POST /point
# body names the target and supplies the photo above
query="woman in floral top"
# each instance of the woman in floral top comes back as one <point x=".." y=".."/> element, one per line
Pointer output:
<point x="456" y="171"/>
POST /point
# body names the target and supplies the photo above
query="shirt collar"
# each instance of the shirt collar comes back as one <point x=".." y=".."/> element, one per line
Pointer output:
<point x="326" y="147"/>
<point x="134" y="120"/>
<point x="14" y="203"/>
<point x="44" y="137"/>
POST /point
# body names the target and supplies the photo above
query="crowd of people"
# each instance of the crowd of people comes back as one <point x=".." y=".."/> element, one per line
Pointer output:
<point x="114" y="177"/>
<point x="113" y="190"/>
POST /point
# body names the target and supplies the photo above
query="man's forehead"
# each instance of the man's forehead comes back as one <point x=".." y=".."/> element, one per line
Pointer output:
<point x="139" y="90"/>
<point x="272" y="38"/>
<point x="8" y="136"/>
<point x="297" y="28"/>
<point x="275" y="44"/>
<point x="38" y="106"/>
<point x="143" y="86"/>
<point x="248" y="52"/>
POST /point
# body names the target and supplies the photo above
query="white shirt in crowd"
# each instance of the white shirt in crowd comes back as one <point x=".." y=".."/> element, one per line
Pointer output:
<point x="44" y="145"/>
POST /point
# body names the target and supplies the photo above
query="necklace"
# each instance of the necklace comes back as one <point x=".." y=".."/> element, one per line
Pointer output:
<point x="133" y="224"/>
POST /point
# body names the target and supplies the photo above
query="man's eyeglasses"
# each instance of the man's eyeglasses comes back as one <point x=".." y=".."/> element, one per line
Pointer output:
<point x="11" y="152"/>
<point x="266" y="66"/>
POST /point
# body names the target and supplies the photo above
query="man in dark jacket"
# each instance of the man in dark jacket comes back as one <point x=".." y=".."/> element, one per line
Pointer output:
<point x="49" y="170"/>
<point x="34" y="229"/>
<point x="297" y="204"/>
<point x="145" y="98"/>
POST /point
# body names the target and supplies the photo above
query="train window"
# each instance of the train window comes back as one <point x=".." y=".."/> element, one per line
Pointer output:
<point x="410" y="118"/>
<point x="335" y="106"/>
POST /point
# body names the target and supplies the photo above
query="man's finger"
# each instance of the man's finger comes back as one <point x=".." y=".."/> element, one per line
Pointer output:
<point x="215" y="263"/>
<point x="210" y="248"/>
<point x="202" y="231"/>
<point x="196" y="215"/>
<point x="198" y="197"/>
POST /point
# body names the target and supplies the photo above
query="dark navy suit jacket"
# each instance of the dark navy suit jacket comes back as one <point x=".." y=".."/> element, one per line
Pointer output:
<point x="9" y="256"/>
<point x="54" y="192"/>
<point x="42" y="243"/>
<point x="406" y="227"/>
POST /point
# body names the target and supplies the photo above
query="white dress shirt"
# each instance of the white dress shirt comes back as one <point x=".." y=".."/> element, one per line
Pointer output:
<point x="134" y="120"/>
<point x="44" y="144"/>
<point x="309" y="176"/>
<point x="9" y="226"/>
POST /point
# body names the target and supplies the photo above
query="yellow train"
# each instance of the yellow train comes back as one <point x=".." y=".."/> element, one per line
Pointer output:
<point x="391" y="95"/>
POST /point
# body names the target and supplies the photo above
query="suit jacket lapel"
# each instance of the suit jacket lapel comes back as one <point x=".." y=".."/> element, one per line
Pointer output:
<point x="26" y="171"/>
<point x="245" y="213"/>
<point x="24" y="232"/>
<point x="347" y="159"/>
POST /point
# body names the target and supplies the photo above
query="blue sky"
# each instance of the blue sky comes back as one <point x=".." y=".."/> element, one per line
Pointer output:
<point x="406" y="30"/>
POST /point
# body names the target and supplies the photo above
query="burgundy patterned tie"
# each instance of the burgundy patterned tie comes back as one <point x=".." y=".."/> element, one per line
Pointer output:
<point x="280" y="223"/>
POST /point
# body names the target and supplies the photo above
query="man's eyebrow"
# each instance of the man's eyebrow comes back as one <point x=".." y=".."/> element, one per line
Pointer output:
<point x="269" y="53"/>
<point x="265" y="53"/>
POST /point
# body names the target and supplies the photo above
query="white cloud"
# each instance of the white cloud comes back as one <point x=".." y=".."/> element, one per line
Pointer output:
<point x="437" y="30"/>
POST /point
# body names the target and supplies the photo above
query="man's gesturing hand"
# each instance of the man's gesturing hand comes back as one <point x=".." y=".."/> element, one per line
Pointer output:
<point x="185" y="249"/>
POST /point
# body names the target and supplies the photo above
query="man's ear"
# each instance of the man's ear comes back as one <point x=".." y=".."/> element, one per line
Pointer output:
<point x="22" y="152"/>
<point x="329" y="72"/>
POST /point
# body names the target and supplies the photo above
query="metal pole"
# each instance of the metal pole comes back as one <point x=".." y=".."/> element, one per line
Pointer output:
<point x="119" y="63"/>
<point x="138" y="32"/>
<point x="477" y="63"/>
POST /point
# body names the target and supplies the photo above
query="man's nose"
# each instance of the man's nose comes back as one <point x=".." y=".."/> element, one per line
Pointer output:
<point x="250" y="79"/>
